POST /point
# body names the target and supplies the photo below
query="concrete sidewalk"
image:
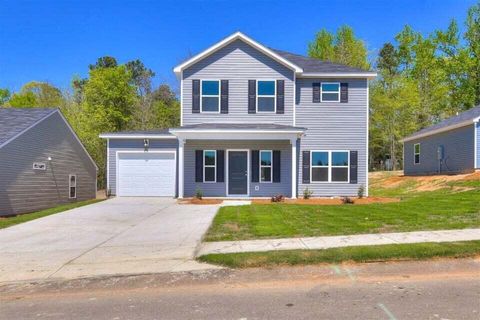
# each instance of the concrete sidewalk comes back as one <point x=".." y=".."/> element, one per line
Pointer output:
<point x="338" y="241"/>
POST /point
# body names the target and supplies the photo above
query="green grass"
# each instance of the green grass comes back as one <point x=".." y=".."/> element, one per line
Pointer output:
<point x="417" y="251"/>
<point x="446" y="208"/>
<point x="10" y="221"/>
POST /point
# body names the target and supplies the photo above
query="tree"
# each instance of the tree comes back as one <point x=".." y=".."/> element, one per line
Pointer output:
<point x="25" y="100"/>
<point x="4" y="96"/>
<point x="472" y="37"/>
<point x="343" y="47"/>
<point x="388" y="60"/>
<point x="37" y="94"/>
<point x="104" y="62"/>
<point x="142" y="80"/>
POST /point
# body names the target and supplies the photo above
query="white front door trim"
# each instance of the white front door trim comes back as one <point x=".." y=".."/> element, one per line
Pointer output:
<point x="248" y="173"/>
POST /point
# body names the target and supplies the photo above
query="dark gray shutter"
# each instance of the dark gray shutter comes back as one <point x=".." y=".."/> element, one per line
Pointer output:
<point x="280" y="96"/>
<point x="198" y="165"/>
<point x="195" y="96"/>
<point x="224" y="97"/>
<point x="344" y="92"/>
<point x="220" y="165"/>
<point x="353" y="166"/>
<point x="252" y="96"/>
<point x="316" y="91"/>
<point x="276" y="166"/>
<point x="255" y="165"/>
<point x="306" y="167"/>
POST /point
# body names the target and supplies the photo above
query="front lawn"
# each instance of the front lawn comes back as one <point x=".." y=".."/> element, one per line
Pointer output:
<point x="10" y="221"/>
<point x="454" y="204"/>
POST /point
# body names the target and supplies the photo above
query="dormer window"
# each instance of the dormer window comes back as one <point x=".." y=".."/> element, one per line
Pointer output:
<point x="266" y="92"/>
<point x="210" y="99"/>
<point x="330" y="92"/>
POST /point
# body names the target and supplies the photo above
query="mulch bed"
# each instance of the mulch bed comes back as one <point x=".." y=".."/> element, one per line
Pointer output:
<point x="199" y="201"/>
<point x="330" y="201"/>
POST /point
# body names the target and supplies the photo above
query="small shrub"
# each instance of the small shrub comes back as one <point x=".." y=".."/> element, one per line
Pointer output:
<point x="278" y="198"/>
<point x="198" y="193"/>
<point x="307" y="193"/>
<point x="347" y="200"/>
<point x="361" y="191"/>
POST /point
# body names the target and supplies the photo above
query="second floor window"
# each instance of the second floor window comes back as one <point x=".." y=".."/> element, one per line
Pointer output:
<point x="266" y="90"/>
<point x="210" y="100"/>
<point x="330" y="92"/>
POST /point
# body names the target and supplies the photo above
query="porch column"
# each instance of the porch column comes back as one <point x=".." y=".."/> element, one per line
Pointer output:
<point x="181" y="166"/>
<point x="294" y="168"/>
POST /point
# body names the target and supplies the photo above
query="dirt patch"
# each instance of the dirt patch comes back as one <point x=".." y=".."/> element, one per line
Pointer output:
<point x="199" y="201"/>
<point x="331" y="201"/>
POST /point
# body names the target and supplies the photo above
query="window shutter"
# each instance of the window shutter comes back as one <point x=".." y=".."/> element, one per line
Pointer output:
<point x="220" y="165"/>
<point x="198" y="165"/>
<point x="252" y="96"/>
<point x="343" y="92"/>
<point x="276" y="166"/>
<point x="281" y="96"/>
<point x="306" y="167"/>
<point x="353" y="166"/>
<point x="255" y="165"/>
<point x="195" y="96"/>
<point x="316" y="92"/>
<point x="224" y="97"/>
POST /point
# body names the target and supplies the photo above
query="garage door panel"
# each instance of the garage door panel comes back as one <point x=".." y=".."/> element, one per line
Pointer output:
<point x="146" y="174"/>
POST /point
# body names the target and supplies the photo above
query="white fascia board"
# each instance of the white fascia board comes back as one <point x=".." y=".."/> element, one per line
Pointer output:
<point x="444" y="129"/>
<point x="135" y="136"/>
<point x="239" y="135"/>
<point x="367" y="75"/>
<point x="237" y="35"/>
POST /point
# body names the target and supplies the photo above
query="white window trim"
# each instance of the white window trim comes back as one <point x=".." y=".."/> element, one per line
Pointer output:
<point x="329" y="167"/>
<point x="72" y="186"/>
<point x="274" y="96"/>
<point x="321" y="91"/>
<point x="415" y="153"/>
<point x="210" y="96"/>
<point x="265" y="166"/>
<point x="210" y="166"/>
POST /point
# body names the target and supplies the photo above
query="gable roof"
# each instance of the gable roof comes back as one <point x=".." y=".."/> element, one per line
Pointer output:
<point x="14" y="121"/>
<point x="460" y="120"/>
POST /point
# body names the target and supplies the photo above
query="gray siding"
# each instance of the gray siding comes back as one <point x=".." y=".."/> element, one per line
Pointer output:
<point x="333" y="126"/>
<point x="23" y="189"/>
<point x="477" y="132"/>
<point x="219" y="189"/>
<point x="458" y="152"/>
<point x="133" y="145"/>
<point x="238" y="63"/>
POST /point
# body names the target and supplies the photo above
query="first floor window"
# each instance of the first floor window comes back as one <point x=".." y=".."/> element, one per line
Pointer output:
<point x="210" y="100"/>
<point x="266" y="166"/>
<point x="330" y="166"/>
<point x="416" y="148"/>
<point x="209" y="165"/>
<point x="330" y="92"/>
<point x="266" y="91"/>
<point x="72" y="186"/>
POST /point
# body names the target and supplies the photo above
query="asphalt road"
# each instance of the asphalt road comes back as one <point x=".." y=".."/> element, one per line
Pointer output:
<point x="443" y="289"/>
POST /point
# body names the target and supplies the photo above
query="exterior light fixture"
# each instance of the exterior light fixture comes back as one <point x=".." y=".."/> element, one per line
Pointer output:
<point x="146" y="143"/>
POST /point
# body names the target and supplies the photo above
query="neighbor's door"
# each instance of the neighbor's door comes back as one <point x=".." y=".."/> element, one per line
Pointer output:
<point x="237" y="172"/>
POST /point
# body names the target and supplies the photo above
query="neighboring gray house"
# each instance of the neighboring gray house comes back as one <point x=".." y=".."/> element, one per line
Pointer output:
<point x="255" y="122"/>
<point x="42" y="162"/>
<point x="450" y="146"/>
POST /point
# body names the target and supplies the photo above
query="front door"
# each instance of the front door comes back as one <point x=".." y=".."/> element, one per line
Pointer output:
<point x="237" y="172"/>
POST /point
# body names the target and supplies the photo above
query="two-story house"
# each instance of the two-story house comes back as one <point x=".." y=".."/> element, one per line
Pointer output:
<point x="255" y="122"/>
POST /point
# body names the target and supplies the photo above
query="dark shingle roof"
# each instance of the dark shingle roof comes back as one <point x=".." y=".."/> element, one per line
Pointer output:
<point x="240" y="126"/>
<point x="312" y="65"/>
<point x="452" y="121"/>
<point x="15" y="120"/>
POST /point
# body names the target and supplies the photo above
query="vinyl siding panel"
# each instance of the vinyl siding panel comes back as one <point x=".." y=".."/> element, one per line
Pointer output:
<point x="116" y="145"/>
<point x="219" y="189"/>
<point x="23" y="189"/>
<point x="477" y="132"/>
<point x="238" y="63"/>
<point x="333" y="126"/>
<point x="458" y="152"/>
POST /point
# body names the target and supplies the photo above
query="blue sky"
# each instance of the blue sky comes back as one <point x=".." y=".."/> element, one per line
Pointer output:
<point x="55" y="40"/>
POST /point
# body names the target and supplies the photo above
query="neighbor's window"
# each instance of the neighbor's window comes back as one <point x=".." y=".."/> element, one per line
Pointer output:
<point x="320" y="163"/>
<point x="339" y="166"/>
<point x="72" y="186"/>
<point x="265" y="166"/>
<point x="330" y="166"/>
<point x="330" y="92"/>
<point x="266" y="96"/>
<point x="210" y="101"/>
<point x="416" y="152"/>
<point x="209" y="165"/>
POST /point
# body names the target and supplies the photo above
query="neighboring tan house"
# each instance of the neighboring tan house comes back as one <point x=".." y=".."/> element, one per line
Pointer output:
<point x="42" y="162"/>
<point x="450" y="146"/>
<point x="255" y="122"/>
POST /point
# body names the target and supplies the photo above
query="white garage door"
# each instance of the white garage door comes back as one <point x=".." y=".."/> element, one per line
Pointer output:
<point x="146" y="174"/>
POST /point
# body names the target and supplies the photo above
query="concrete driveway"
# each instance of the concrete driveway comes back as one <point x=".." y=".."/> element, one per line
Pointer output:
<point x="116" y="236"/>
